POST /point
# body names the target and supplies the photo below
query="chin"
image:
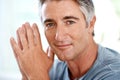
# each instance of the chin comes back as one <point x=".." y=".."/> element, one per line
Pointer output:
<point x="65" y="57"/>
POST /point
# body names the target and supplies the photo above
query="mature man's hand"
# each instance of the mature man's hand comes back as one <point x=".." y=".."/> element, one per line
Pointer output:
<point x="33" y="62"/>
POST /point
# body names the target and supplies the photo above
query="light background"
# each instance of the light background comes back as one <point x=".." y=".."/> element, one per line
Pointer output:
<point x="15" y="12"/>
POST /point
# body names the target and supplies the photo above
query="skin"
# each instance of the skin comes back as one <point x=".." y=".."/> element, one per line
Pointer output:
<point x="31" y="58"/>
<point x="68" y="36"/>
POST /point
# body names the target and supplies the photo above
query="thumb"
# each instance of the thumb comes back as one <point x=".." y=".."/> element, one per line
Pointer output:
<point x="50" y="53"/>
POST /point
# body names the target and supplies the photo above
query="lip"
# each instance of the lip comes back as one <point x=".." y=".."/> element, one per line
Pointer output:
<point x="63" y="46"/>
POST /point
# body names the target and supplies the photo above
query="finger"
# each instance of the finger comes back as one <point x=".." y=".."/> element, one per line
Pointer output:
<point x="23" y="28"/>
<point x="37" y="35"/>
<point x="50" y="53"/>
<point x="19" y="42"/>
<point x="30" y="34"/>
<point x="22" y="37"/>
<point x="17" y="51"/>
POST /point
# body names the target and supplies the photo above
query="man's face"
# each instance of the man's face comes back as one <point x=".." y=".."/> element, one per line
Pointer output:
<point x="65" y="29"/>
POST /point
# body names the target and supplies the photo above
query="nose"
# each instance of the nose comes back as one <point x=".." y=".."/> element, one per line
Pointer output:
<point x="60" y="34"/>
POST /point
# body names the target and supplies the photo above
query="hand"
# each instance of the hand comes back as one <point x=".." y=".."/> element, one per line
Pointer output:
<point x="34" y="63"/>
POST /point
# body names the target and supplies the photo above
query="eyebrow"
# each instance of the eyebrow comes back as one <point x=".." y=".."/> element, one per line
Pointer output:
<point x="70" y="17"/>
<point x="66" y="17"/>
<point x="48" y="20"/>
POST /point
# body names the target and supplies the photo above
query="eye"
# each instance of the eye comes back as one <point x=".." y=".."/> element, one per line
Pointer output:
<point x="70" y="22"/>
<point x="49" y="25"/>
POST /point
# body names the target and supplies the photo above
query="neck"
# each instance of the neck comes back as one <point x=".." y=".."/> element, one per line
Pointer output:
<point x="81" y="65"/>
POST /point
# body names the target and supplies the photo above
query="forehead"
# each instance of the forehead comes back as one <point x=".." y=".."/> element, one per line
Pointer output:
<point x="61" y="8"/>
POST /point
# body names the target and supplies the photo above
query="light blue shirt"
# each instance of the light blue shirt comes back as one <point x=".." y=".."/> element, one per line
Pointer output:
<point x="106" y="67"/>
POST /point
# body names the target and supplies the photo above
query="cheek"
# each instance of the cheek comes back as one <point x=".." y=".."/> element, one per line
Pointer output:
<point x="80" y="38"/>
<point x="48" y="38"/>
<point x="77" y="35"/>
<point x="49" y="35"/>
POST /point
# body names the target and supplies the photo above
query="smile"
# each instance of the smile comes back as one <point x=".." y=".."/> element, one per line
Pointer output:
<point x="63" y="46"/>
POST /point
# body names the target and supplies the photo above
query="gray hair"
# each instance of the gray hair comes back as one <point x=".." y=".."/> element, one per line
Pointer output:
<point x="86" y="6"/>
<point x="87" y="9"/>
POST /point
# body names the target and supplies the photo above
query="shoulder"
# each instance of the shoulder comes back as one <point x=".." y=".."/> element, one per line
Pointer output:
<point x="113" y="76"/>
<point x="107" y="55"/>
<point x="106" y="66"/>
<point x="109" y="60"/>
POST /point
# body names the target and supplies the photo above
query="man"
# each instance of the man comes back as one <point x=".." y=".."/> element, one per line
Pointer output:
<point x="69" y="29"/>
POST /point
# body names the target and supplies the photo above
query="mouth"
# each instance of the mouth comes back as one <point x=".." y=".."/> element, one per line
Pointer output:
<point x="63" y="46"/>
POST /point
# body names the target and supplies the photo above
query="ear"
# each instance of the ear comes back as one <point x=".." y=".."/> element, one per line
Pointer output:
<point x="91" y="25"/>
